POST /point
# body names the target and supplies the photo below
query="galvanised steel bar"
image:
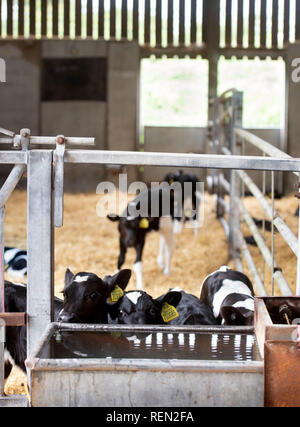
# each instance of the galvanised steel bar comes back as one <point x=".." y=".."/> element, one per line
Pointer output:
<point x="278" y="276"/>
<point x="49" y="140"/>
<point x="13" y="157"/>
<point x="10" y="183"/>
<point x="181" y="160"/>
<point x="259" y="286"/>
<point x="279" y="223"/>
<point x="40" y="244"/>
<point x="262" y="145"/>
<point x="2" y="323"/>
<point x="2" y="341"/>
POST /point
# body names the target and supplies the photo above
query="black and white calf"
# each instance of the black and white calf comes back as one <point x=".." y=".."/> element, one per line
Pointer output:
<point x="137" y="307"/>
<point x="176" y="307"/>
<point x="85" y="296"/>
<point x="191" y="311"/>
<point x="190" y="198"/>
<point x="230" y="294"/>
<point x="15" y="261"/>
<point x="16" y="336"/>
<point x="134" y="226"/>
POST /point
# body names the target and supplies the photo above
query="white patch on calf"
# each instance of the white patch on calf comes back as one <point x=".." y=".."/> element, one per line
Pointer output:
<point x="224" y="268"/>
<point x="134" y="296"/>
<point x="228" y="287"/>
<point x="9" y="254"/>
<point x="8" y="358"/>
<point x="80" y="279"/>
<point x="248" y="304"/>
<point x="177" y="289"/>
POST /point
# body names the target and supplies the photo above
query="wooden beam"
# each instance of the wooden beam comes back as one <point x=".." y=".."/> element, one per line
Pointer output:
<point x="55" y="18"/>
<point x="170" y="22"/>
<point x="89" y="18"/>
<point x="193" y="21"/>
<point x="124" y="29"/>
<point x="263" y="23"/>
<point x="251" y="23"/>
<point x="135" y="19"/>
<point x="13" y="319"/>
<point x="9" y="19"/>
<point x="112" y="25"/>
<point x="240" y="24"/>
<point x="158" y="23"/>
<point x="101" y="19"/>
<point x="66" y="18"/>
<point x="275" y="24"/>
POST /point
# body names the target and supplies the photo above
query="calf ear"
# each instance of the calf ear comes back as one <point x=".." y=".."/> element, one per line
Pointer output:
<point x="121" y="279"/>
<point x="68" y="277"/>
<point x="232" y="316"/>
<point x="113" y="217"/>
<point x="173" y="298"/>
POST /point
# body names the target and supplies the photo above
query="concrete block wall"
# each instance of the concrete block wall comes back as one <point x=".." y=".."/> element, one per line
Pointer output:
<point x="113" y="121"/>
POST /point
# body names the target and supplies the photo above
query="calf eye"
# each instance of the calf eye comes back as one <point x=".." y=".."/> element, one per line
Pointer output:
<point x="93" y="296"/>
<point x="152" y="311"/>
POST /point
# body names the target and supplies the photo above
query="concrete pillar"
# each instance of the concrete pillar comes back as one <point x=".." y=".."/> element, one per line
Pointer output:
<point x="123" y="102"/>
<point x="292" y="110"/>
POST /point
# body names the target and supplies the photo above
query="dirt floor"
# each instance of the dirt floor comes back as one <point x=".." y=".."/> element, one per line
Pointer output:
<point x="87" y="242"/>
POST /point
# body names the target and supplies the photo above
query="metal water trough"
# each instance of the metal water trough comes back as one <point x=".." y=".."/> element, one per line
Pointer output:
<point x="277" y="333"/>
<point x="158" y="367"/>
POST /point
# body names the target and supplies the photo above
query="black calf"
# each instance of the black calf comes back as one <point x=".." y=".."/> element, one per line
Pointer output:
<point x="191" y="311"/>
<point x="85" y="296"/>
<point x="134" y="227"/>
<point x="16" y="336"/>
<point x="139" y="308"/>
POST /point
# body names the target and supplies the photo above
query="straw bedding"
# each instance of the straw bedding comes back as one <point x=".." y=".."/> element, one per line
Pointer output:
<point x="87" y="242"/>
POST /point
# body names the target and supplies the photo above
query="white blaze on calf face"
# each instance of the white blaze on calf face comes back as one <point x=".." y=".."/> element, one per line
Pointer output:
<point x="80" y="279"/>
<point x="228" y="287"/>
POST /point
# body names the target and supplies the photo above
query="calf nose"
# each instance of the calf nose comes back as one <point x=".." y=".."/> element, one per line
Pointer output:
<point x="66" y="317"/>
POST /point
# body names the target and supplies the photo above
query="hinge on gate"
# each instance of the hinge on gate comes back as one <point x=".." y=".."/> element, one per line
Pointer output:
<point x="58" y="159"/>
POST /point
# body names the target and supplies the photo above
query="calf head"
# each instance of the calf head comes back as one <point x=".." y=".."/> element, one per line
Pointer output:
<point x="85" y="296"/>
<point x="237" y="316"/>
<point x="132" y="228"/>
<point x="139" y="308"/>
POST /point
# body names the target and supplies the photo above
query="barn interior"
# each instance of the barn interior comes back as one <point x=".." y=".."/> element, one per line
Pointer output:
<point x="76" y="68"/>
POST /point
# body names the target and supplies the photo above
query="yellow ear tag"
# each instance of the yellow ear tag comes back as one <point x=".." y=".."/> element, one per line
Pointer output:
<point x="171" y="181"/>
<point x="168" y="312"/>
<point x="144" y="223"/>
<point x="188" y="213"/>
<point x="116" y="294"/>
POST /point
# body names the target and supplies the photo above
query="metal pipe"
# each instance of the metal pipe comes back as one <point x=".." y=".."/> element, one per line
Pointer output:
<point x="263" y="145"/>
<point x="181" y="160"/>
<point x="279" y="223"/>
<point x="10" y="183"/>
<point x="51" y="140"/>
<point x="259" y="286"/>
<point x="278" y="276"/>
<point x="13" y="157"/>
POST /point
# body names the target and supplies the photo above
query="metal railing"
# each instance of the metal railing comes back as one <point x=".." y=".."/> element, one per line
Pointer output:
<point x="227" y="137"/>
<point x="45" y="170"/>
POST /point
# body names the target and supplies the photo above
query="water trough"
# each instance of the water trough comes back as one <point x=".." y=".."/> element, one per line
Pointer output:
<point x="112" y="365"/>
